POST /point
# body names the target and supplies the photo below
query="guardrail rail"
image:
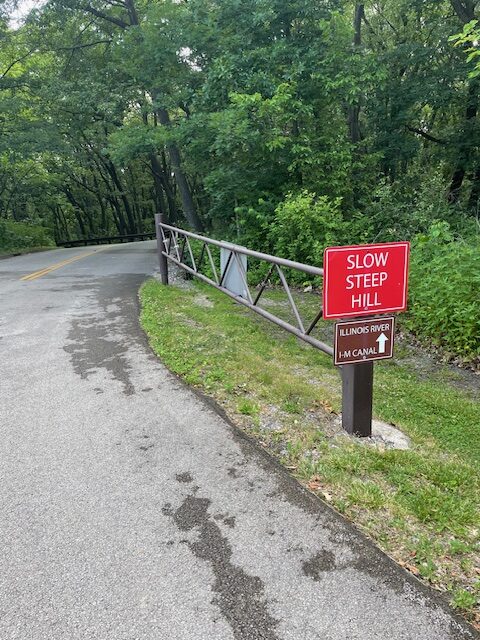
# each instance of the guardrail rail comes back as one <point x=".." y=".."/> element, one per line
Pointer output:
<point x="129" y="237"/>
<point x="174" y="245"/>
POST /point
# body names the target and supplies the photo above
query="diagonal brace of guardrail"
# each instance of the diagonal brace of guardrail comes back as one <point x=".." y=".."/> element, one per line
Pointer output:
<point x="176" y="247"/>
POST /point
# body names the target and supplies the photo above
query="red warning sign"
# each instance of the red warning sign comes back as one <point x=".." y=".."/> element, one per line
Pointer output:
<point x="365" y="280"/>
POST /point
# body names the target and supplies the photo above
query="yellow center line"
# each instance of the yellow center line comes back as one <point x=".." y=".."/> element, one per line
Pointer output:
<point x="57" y="265"/>
<point x="36" y="274"/>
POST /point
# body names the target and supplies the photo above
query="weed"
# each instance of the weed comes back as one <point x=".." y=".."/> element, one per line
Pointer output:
<point x="463" y="599"/>
<point x="247" y="408"/>
<point x="457" y="547"/>
<point x="366" y="494"/>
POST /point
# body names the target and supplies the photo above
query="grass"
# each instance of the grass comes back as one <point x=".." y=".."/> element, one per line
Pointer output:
<point x="421" y="505"/>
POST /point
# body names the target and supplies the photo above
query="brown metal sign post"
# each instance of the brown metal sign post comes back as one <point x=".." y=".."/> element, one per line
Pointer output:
<point x="357" y="398"/>
<point x="357" y="344"/>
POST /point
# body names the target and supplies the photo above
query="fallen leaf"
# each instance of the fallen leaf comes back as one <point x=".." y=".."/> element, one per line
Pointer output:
<point x="412" y="568"/>
<point x="314" y="483"/>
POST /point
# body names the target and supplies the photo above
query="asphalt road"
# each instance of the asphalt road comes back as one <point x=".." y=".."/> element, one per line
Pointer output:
<point x="130" y="510"/>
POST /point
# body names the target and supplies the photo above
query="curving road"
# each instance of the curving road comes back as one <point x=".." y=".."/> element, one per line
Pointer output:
<point x="130" y="510"/>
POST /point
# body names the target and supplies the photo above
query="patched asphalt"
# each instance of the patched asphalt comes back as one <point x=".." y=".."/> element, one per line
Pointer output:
<point x="131" y="510"/>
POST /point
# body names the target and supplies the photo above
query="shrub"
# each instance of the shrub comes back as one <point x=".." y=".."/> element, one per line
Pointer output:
<point x="400" y="211"/>
<point x="23" y="235"/>
<point x="444" y="303"/>
<point x="304" y="225"/>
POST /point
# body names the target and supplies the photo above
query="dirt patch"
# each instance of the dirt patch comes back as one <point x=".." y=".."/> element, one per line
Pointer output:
<point x="202" y="301"/>
<point x="428" y="365"/>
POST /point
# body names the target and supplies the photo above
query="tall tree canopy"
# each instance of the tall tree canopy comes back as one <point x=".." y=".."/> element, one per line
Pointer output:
<point x="227" y="115"/>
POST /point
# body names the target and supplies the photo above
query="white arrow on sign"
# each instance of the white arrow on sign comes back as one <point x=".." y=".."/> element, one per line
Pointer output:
<point x="382" y="339"/>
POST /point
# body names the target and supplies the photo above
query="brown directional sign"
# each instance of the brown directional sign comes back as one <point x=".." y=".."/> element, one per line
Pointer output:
<point x="364" y="340"/>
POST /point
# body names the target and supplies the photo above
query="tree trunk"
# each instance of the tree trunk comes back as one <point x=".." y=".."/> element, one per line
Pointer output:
<point x="135" y="201"/>
<point x="63" y="219"/>
<point x="103" y="220"/>
<point x="158" y="176"/>
<point x="120" y="221"/>
<point x="126" y="204"/>
<point x="466" y="144"/>
<point x="169" y="187"/>
<point x="183" y="187"/>
<point x="158" y="183"/>
<point x="465" y="10"/>
<point x="473" y="202"/>
<point x="76" y="211"/>
<point x="118" y="217"/>
<point x="354" y="110"/>
<point x="57" y="234"/>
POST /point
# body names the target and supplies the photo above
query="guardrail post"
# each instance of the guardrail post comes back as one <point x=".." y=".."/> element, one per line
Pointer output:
<point x="162" y="260"/>
<point x="357" y="397"/>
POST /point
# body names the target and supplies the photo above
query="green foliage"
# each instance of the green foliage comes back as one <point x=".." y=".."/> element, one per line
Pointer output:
<point x="23" y="235"/>
<point x="464" y="599"/>
<point x="469" y="39"/>
<point x="247" y="408"/>
<point x="444" y="303"/>
<point x="253" y="225"/>
<point x="304" y="224"/>
<point x="366" y="494"/>
<point x="135" y="140"/>
<point x="400" y="211"/>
